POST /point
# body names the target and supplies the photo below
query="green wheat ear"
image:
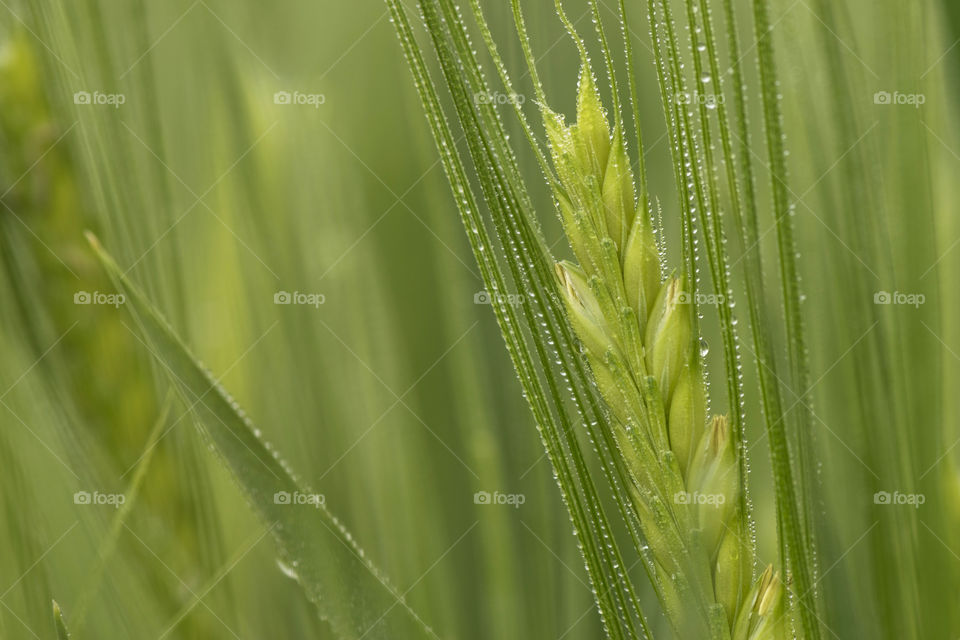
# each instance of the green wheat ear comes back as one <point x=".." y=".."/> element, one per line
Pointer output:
<point x="638" y="336"/>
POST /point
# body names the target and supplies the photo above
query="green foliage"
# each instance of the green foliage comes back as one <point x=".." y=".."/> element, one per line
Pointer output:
<point x="686" y="309"/>
<point x="316" y="549"/>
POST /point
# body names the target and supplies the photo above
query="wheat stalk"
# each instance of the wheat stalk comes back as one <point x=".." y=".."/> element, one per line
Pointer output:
<point x="638" y="335"/>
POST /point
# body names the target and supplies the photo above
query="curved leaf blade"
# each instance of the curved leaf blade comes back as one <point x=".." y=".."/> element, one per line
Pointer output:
<point x="348" y="590"/>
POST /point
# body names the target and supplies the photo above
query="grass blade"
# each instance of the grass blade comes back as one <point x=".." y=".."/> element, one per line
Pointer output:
<point x="62" y="633"/>
<point x="793" y="508"/>
<point x="317" y="550"/>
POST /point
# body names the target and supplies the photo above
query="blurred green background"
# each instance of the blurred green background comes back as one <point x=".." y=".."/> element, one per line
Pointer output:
<point x="263" y="148"/>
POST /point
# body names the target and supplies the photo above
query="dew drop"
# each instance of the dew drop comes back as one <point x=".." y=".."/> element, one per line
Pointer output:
<point x="288" y="570"/>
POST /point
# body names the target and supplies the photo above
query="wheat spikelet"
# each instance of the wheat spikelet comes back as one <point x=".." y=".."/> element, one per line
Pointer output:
<point x="637" y="333"/>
